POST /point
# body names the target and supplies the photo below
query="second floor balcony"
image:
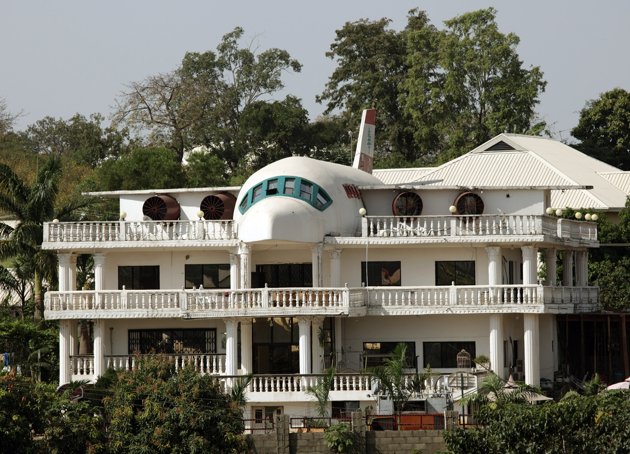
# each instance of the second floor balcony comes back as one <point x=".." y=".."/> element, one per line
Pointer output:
<point x="294" y="302"/>
<point x="504" y="227"/>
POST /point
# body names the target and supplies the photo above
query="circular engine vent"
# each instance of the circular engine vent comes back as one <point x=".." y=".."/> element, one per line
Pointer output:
<point x="161" y="208"/>
<point x="218" y="206"/>
<point x="407" y="204"/>
<point x="469" y="203"/>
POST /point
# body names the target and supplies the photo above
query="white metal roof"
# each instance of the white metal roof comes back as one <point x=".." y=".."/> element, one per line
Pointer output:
<point x="400" y="176"/>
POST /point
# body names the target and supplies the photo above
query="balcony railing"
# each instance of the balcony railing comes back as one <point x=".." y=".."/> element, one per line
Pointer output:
<point x="80" y="232"/>
<point x="372" y="226"/>
<point x="289" y="302"/>
<point x="482" y="225"/>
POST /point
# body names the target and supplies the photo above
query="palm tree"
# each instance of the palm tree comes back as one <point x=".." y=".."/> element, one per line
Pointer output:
<point x="30" y="205"/>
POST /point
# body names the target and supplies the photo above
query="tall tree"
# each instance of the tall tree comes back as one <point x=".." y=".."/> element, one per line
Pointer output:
<point x="7" y="119"/>
<point x="604" y="128"/>
<point x="479" y="87"/>
<point x="439" y="92"/>
<point x="31" y="205"/>
<point x="201" y="102"/>
<point x="82" y="139"/>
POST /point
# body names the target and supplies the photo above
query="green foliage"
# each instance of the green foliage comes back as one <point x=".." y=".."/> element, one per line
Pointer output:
<point x="154" y="409"/>
<point x="340" y="438"/>
<point x="604" y="128"/>
<point x="391" y="378"/>
<point x="142" y="168"/>
<point x="599" y="423"/>
<point x="31" y="346"/>
<point x="439" y="93"/>
<point x="205" y="169"/>
<point x="35" y="418"/>
<point x="321" y="392"/>
<point x="202" y="102"/>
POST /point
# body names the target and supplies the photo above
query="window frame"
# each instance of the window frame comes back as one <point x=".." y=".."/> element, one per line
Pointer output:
<point x="458" y="272"/>
<point x="448" y="353"/>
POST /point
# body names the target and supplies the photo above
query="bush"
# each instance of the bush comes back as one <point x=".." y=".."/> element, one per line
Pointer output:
<point x="340" y="438"/>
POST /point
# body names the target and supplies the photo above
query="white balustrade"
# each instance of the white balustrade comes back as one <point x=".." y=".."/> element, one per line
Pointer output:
<point x="65" y="232"/>
<point x="479" y="225"/>
<point x="203" y="363"/>
<point x="82" y="367"/>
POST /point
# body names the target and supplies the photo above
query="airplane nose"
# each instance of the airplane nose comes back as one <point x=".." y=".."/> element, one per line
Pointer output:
<point x="281" y="219"/>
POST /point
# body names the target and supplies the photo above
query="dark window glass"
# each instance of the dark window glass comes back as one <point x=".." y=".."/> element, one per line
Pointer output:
<point x="275" y="346"/>
<point x="208" y="275"/>
<point x="139" y="277"/>
<point x="289" y="186"/>
<point x="272" y="187"/>
<point x="286" y="274"/>
<point x="180" y="341"/>
<point x="375" y="353"/>
<point x="306" y="190"/>
<point x="460" y="272"/>
<point x="381" y="274"/>
<point x="444" y="354"/>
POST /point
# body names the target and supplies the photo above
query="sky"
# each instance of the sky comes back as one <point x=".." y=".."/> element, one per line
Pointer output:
<point x="64" y="57"/>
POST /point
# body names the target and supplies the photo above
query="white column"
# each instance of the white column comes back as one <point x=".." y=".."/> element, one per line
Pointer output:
<point x="338" y="341"/>
<point x="335" y="268"/>
<point x="581" y="268"/>
<point x="496" y="344"/>
<point x="552" y="270"/>
<point x="62" y="271"/>
<point x="244" y="252"/>
<point x="231" y="354"/>
<point x="72" y="273"/>
<point x="99" y="348"/>
<point x="532" y="351"/>
<point x="567" y="271"/>
<point x="318" y="349"/>
<point x="304" y="324"/>
<point x="246" y="347"/>
<point x="316" y="263"/>
<point x="99" y="277"/>
<point x="494" y="265"/>
<point x="234" y="271"/>
<point x="65" y="340"/>
<point x="530" y="261"/>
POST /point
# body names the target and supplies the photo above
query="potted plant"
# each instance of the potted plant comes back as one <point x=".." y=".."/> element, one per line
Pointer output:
<point x="482" y="362"/>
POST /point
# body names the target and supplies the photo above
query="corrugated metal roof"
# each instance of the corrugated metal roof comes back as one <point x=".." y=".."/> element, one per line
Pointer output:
<point x="619" y="179"/>
<point x="575" y="198"/>
<point x="400" y="176"/>
<point x="497" y="168"/>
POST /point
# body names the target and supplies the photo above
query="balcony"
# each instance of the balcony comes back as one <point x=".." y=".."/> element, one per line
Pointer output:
<point x="88" y="234"/>
<point x="283" y="387"/>
<point x="292" y="302"/>
<point x="481" y="227"/>
<point x="422" y="229"/>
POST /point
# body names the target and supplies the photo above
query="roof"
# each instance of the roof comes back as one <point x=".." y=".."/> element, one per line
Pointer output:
<point x="512" y="160"/>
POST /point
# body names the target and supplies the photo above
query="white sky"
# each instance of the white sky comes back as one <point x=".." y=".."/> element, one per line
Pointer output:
<point x="67" y="56"/>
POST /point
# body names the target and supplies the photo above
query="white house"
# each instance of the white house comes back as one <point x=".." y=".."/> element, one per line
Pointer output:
<point x="311" y="264"/>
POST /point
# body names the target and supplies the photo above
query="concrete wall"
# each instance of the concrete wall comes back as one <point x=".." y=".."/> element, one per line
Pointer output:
<point x="369" y="442"/>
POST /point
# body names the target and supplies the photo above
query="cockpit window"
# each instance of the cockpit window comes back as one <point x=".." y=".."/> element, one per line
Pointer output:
<point x="296" y="187"/>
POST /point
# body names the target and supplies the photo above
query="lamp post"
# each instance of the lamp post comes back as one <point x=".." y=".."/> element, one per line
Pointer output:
<point x="463" y="362"/>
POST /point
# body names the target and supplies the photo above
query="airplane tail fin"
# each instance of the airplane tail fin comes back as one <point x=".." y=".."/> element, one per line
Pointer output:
<point x="364" y="154"/>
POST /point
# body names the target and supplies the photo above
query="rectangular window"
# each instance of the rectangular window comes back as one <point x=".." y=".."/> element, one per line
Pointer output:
<point x="306" y="190"/>
<point x="375" y="353"/>
<point x="272" y="187"/>
<point x="139" y="277"/>
<point x="257" y="193"/>
<point x="286" y="274"/>
<point x="208" y="275"/>
<point x="289" y="186"/>
<point x="444" y="354"/>
<point x="461" y="272"/>
<point x="381" y="274"/>
<point x="342" y="409"/>
<point x="180" y="341"/>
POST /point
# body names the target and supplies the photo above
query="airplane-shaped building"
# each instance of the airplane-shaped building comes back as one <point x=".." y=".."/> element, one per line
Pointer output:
<point x="312" y="265"/>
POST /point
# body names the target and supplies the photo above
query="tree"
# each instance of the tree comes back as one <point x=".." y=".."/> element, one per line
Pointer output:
<point x="141" y="168"/>
<point x="7" y="119"/>
<point x="82" y="139"/>
<point x="391" y="379"/>
<point x="439" y="93"/>
<point x="604" y="128"/>
<point x="478" y="87"/>
<point x="321" y="392"/>
<point x="201" y="102"/>
<point x="370" y="70"/>
<point x="155" y="409"/>
<point x="31" y="205"/>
